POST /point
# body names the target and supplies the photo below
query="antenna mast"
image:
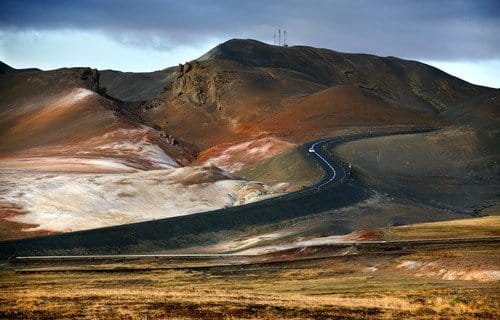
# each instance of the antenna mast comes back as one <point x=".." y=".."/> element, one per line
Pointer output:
<point x="279" y="37"/>
<point x="274" y="38"/>
<point x="284" y="38"/>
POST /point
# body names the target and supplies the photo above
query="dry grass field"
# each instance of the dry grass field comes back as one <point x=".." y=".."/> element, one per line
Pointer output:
<point x="488" y="226"/>
<point x="356" y="287"/>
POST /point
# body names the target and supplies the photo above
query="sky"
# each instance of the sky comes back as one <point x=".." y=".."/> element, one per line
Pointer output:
<point x="461" y="37"/>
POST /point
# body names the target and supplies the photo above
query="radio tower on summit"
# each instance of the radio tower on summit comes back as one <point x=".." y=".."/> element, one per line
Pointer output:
<point x="280" y="41"/>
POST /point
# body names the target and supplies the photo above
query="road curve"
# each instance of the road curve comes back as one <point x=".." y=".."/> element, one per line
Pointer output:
<point x="333" y="171"/>
<point x="331" y="167"/>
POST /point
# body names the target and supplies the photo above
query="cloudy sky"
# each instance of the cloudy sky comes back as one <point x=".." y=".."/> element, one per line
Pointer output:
<point x="458" y="36"/>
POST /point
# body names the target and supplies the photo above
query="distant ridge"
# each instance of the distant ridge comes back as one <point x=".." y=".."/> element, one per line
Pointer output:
<point x="319" y="62"/>
<point x="134" y="86"/>
<point x="5" y="68"/>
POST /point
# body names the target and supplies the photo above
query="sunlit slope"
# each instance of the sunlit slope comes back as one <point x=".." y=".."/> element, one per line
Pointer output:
<point x="244" y="90"/>
<point x="61" y="115"/>
<point x="412" y="84"/>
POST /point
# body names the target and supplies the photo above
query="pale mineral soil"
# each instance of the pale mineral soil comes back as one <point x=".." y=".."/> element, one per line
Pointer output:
<point x="235" y="156"/>
<point x="62" y="202"/>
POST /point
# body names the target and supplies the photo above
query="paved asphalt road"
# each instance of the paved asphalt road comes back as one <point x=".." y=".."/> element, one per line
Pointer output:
<point x="333" y="171"/>
<point x="362" y="247"/>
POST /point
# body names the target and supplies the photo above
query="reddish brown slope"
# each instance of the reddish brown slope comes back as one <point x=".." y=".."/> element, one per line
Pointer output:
<point x="60" y="121"/>
<point x="339" y="108"/>
<point x="214" y="102"/>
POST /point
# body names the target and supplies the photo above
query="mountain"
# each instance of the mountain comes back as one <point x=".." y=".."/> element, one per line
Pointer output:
<point x="245" y="88"/>
<point x="64" y="112"/>
<point x="5" y="68"/>
<point x="410" y="83"/>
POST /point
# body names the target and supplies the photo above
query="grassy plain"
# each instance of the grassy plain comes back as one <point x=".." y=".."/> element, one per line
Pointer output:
<point x="356" y="287"/>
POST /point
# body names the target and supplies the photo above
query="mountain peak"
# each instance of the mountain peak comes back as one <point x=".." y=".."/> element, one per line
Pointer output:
<point x="245" y="51"/>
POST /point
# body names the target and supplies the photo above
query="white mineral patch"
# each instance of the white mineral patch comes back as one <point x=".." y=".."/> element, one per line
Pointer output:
<point x="70" y="99"/>
<point x="67" y="164"/>
<point x="410" y="264"/>
<point x="296" y="245"/>
<point x="79" y="94"/>
<point x="142" y="150"/>
<point x="72" y="201"/>
<point x="132" y="143"/>
<point x="441" y="270"/>
<point x="234" y="157"/>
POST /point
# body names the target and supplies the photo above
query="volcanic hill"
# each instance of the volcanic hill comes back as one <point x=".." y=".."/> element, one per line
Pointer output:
<point x="245" y="88"/>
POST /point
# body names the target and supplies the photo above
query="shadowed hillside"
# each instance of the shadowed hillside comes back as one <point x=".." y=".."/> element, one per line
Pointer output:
<point x="134" y="86"/>
<point x="455" y="168"/>
<point x="5" y="68"/>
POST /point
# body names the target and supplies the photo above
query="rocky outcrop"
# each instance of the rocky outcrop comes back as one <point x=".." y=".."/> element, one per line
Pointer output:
<point x="91" y="78"/>
<point x="198" y="85"/>
<point x="171" y="140"/>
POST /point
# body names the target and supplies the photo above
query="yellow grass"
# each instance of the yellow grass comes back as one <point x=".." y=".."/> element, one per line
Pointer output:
<point x="319" y="291"/>
<point x="476" y="227"/>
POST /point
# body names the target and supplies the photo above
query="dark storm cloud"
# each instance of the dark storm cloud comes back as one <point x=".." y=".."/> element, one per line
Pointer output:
<point x="418" y="29"/>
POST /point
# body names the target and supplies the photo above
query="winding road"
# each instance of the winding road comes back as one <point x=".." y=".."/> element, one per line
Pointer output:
<point x="332" y="170"/>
